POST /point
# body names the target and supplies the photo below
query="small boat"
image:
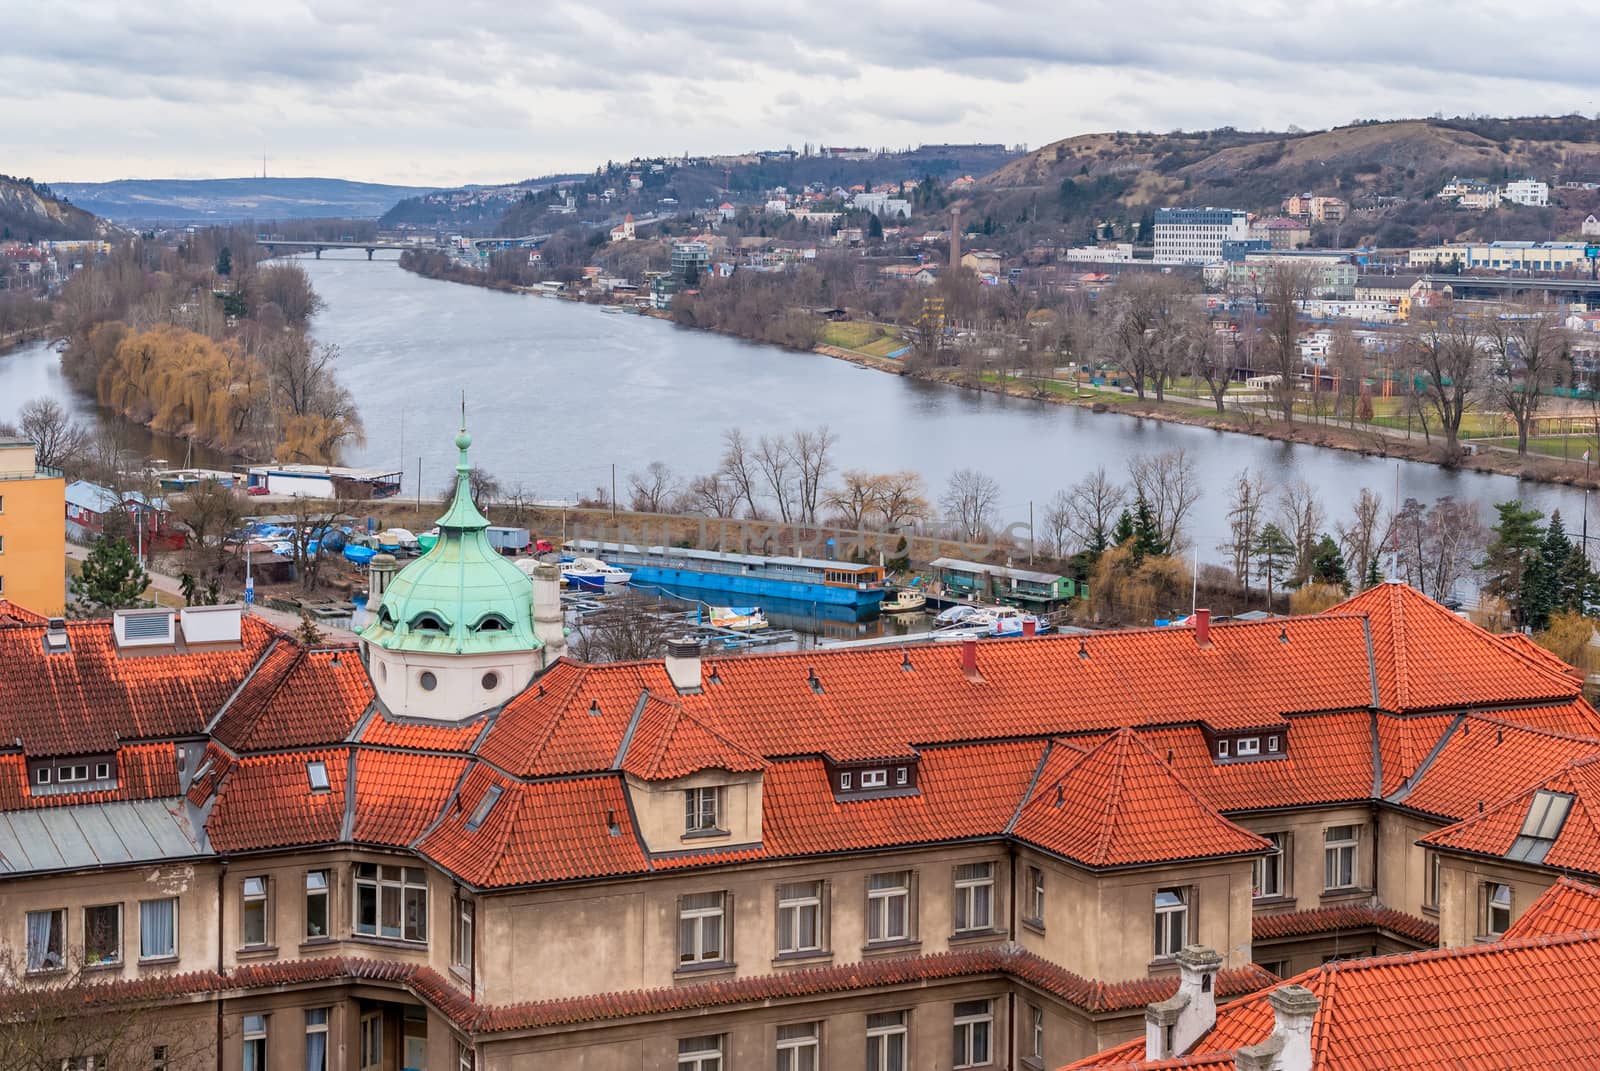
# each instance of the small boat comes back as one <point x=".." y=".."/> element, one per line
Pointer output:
<point x="1006" y="621"/>
<point x="592" y="574"/>
<point x="905" y="601"/>
<point x="613" y="309"/>
<point x="739" y="618"/>
<point x="955" y="616"/>
<point x="358" y="555"/>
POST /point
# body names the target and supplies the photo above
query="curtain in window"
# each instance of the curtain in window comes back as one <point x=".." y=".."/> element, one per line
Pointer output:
<point x="156" y="934"/>
<point x="317" y="1052"/>
<point x="40" y="924"/>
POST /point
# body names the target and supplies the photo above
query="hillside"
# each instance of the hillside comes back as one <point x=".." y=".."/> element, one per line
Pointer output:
<point x="1388" y="172"/>
<point x="231" y="200"/>
<point x="31" y="211"/>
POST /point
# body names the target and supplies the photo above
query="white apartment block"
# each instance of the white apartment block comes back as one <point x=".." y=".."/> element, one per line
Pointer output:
<point x="1195" y="235"/>
<point x="1530" y="192"/>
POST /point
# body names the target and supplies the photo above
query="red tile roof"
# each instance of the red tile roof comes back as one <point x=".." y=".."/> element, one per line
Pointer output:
<point x="667" y="743"/>
<point x="296" y="698"/>
<point x="1267" y="927"/>
<point x="266" y="801"/>
<point x="144" y="772"/>
<point x="1121" y="805"/>
<point x="1568" y="906"/>
<point x="1484" y="761"/>
<point x="12" y="613"/>
<point x="1577" y="843"/>
<point x="1509" y="1006"/>
<point x="398" y="795"/>
<point x="381" y="729"/>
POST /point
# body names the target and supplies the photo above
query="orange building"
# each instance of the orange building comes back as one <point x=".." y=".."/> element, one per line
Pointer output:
<point x="33" y="542"/>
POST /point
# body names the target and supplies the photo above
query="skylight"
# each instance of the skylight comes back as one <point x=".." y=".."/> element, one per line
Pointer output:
<point x="317" y="772"/>
<point x="485" y="805"/>
<point x="1546" y="815"/>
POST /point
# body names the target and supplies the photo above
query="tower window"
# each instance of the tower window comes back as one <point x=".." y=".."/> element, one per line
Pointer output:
<point x="491" y="681"/>
<point x="429" y="622"/>
<point x="428" y="681"/>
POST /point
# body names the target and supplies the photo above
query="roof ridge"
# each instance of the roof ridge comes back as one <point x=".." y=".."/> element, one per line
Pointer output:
<point x="1113" y="805"/>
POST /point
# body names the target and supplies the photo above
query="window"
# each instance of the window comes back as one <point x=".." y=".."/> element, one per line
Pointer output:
<point x="102" y="935"/>
<point x="1172" y="921"/>
<point x="1222" y="749"/>
<point x="886" y="1041"/>
<point x="47" y="939"/>
<point x="41" y="776"/>
<point x="464" y="1059"/>
<point x="255" y="1043"/>
<point x="1247" y="745"/>
<point x="1496" y="916"/>
<point x="1546" y="815"/>
<point x="700" y="917"/>
<point x="158" y="929"/>
<point x="64" y="774"/>
<point x="253" y="927"/>
<point x="900" y="775"/>
<point x="485" y="805"/>
<point x="317" y="775"/>
<point x="974" y="899"/>
<point x="316" y="1039"/>
<point x="874" y="778"/>
<point x="1430" y="879"/>
<point x="800" y="917"/>
<point x="428" y="681"/>
<point x="798" y="1047"/>
<point x="1035" y="895"/>
<point x="391" y="901"/>
<point x="844" y="782"/>
<point x="317" y="913"/>
<point x="974" y="1024"/>
<point x="1036" y="1032"/>
<point x="700" y="1054"/>
<point x="158" y="1058"/>
<point x="102" y="771"/>
<point x="700" y="810"/>
<point x="461" y="934"/>
<point x="1268" y="877"/>
<point x="371" y="1041"/>
<point x="889" y="906"/>
<point x="1272" y="745"/>
<point x="1339" y="845"/>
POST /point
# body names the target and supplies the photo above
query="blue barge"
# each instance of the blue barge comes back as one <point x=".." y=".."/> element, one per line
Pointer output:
<point x="806" y="580"/>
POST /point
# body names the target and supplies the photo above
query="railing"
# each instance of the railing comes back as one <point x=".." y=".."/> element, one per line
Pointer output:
<point x="39" y="472"/>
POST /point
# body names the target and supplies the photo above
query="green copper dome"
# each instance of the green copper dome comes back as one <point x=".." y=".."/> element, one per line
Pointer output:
<point x="461" y="597"/>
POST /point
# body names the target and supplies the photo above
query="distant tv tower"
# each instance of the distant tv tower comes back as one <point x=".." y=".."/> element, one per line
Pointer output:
<point x="263" y="165"/>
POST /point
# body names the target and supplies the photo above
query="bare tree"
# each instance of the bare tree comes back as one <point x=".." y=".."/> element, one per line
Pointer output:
<point x="1285" y="291"/>
<point x="1443" y="345"/>
<point x="774" y="462"/>
<point x="1247" y="498"/>
<point x="60" y="442"/>
<point x="654" y="490"/>
<point x="482" y="485"/>
<point x="209" y="512"/>
<point x="1057" y="522"/>
<point x="1363" y="537"/>
<point x="314" y="519"/>
<point x="1529" y="339"/>
<point x="901" y="499"/>
<point x="629" y="629"/>
<point x="1211" y="359"/>
<point x="1300" y="517"/>
<point x="1170" y="486"/>
<point x="813" y="462"/>
<point x="1142" y="311"/>
<point x="1436" y="547"/>
<point x="1093" y="504"/>
<point x="855" y="497"/>
<point x="1349" y="364"/>
<point x="712" y="495"/>
<point x="969" y="500"/>
<point x="740" y="470"/>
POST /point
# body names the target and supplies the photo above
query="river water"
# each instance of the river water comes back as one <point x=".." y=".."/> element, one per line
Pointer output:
<point x="557" y="393"/>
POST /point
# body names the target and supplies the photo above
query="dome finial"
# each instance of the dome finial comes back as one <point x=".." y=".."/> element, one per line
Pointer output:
<point x="463" y="439"/>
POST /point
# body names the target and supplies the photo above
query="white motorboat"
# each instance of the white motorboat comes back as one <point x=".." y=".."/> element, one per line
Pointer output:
<point x="592" y="574"/>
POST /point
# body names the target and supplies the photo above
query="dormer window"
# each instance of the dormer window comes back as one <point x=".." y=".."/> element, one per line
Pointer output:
<point x="41" y="776"/>
<point x="1222" y="749"/>
<point x="1272" y="744"/>
<point x="845" y="780"/>
<point x="429" y="622"/>
<point x="868" y="779"/>
<point x="1248" y="745"/>
<point x="492" y="623"/>
<point x="701" y="810"/>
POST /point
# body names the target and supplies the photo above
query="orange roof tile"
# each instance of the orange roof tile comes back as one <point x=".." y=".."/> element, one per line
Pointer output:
<point x="1511" y="1006"/>
<point x="266" y="801"/>
<point x="1568" y="906"/>
<point x="297" y="698"/>
<point x="1344" y="917"/>
<point x="1120" y="805"/>
<point x="398" y="795"/>
<point x="667" y="743"/>
<point x="384" y="730"/>
<point x="1577" y="842"/>
<point x="1485" y="760"/>
<point x="12" y="613"/>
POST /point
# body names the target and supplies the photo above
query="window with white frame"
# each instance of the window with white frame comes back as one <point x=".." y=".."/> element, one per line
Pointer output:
<point x="461" y="933"/>
<point x="47" y="939"/>
<point x="700" y="1054"/>
<point x="874" y="778"/>
<point x="102" y="935"/>
<point x="1430" y="878"/>
<point x="1496" y="913"/>
<point x="799" y="917"/>
<point x="1267" y="880"/>
<point x="700" y="929"/>
<point x="844" y="781"/>
<point x="391" y="901"/>
<point x="1036" y="1032"/>
<point x="886" y="1041"/>
<point x="1035" y="895"/>
<point x="700" y="810"/>
<point x="974" y="897"/>
<point x="974" y="1033"/>
<point x="1247" y="745"/>
<point x="1339" y="846"/>
<point x="158" y="929"/>
<point x="889" y="906"/>
<point x="799" y="1047"/>
<point x="317" y="913"/>
<point x="255" y="1043"/>
<point x="316" y="1039"/>
<point x="464" y="1056"/>
<point x="253" y="927"/>
<point x="1172" y="921"/>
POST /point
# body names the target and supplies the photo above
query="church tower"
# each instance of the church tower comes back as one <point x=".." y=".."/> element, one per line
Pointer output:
<point x="454" y="632"/>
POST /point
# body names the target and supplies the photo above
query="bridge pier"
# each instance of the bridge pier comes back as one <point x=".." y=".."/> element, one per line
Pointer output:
<point x="319" y="252"/>
<point x="370" y="251"/>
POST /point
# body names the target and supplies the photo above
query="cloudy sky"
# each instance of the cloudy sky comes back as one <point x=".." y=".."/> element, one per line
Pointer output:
<point x="476" y="91"/>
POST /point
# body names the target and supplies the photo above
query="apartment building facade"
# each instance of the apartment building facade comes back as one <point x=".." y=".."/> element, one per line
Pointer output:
<point x="1195" y="235"/>
<point x="32" y="533"/>
<point x="958" y="856"/>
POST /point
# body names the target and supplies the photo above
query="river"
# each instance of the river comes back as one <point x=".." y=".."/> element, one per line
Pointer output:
<point x="558" y="392"/>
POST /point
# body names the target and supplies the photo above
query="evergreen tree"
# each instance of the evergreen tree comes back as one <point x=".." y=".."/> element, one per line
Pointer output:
<point x="1564" y="575"/>
<point x="1327" y="564"/>
<point x="1123" y="531"/>
<point x="308" y="632"/>
<point x="1147" y="541"/>
<point x="225" y="261"/>
<point x="1514" y="552"/>
<point x="1373" y="578"/>
<point x="1274" y="554"/>
<point x="112" y="578"/>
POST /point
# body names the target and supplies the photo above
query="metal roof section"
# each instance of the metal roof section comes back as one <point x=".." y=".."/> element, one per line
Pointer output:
<point x="97" y="834"/>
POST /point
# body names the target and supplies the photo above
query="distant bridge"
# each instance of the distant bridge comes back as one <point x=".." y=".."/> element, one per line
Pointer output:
<point x="272" y="245"/>
<point x="1501" y="285"/>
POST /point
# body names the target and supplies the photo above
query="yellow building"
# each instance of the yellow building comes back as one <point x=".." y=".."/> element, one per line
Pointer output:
<point x="33" y="542"/>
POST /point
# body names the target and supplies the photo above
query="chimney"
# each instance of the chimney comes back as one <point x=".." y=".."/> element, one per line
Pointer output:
<point x="969" y="658"/>
<point x="1030" y="626"/>
<point x="212" y="626"/>
<point x="683" y="664"/>
<point x="1202" y="627"/>
<point x="549" y="621"/>
<point x="1173" y="1025"/>
<point x="1288" y="1047"/>
<point x="380" y="570"/>
<point x="55" y="636"/>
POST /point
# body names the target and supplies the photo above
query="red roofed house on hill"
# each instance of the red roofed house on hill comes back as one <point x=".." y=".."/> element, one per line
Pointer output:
<point x="455" y="847"/>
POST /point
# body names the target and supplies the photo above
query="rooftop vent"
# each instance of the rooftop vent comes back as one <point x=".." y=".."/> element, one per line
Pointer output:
<point x="55" y="636"/>
<point x="137" y="629"/>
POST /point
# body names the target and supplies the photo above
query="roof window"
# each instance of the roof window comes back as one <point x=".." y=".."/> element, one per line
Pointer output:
<point x="428" y="621"/>
<point x="485" y="805"/>
<point x="492" y="623"/>
<point x="317" y="774"/>
<point x="1546" y="815"/>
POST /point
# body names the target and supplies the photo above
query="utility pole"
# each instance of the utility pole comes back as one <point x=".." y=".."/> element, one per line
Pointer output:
<point x="613" y="493"/>
<point x="1032" y="542"/>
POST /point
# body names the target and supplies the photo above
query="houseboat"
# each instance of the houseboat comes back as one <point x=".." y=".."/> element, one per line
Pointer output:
<point x="805" y="580"/>
<point x="1021" y="587"/>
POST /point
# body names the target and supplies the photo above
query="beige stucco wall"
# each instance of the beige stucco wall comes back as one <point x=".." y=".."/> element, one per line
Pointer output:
<point x="1459" y="882"/>
<point x="1304" y="870"/>
<point x="658" y="808"/>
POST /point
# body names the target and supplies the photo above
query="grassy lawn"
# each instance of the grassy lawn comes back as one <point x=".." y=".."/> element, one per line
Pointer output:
<point x="851" y="335"/>
<point x="1569" y="446"/>
<point x="882" y="347"/>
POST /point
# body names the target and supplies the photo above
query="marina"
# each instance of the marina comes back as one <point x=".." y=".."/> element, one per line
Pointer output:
<point x="801" y="580"/>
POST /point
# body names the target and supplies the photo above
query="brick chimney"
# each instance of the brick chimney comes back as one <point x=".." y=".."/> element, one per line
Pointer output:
<point x="1202" y="627"/>
<point x="1171" y="1026"/>
<point x="1288" y="1048"/>
<point x="969" y="659"/>
<point x="683" y="664"/>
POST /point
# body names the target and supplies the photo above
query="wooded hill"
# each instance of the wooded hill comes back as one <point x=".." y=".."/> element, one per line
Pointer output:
<point x="1389" y="172"/>
<point x="30" y="211"/>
